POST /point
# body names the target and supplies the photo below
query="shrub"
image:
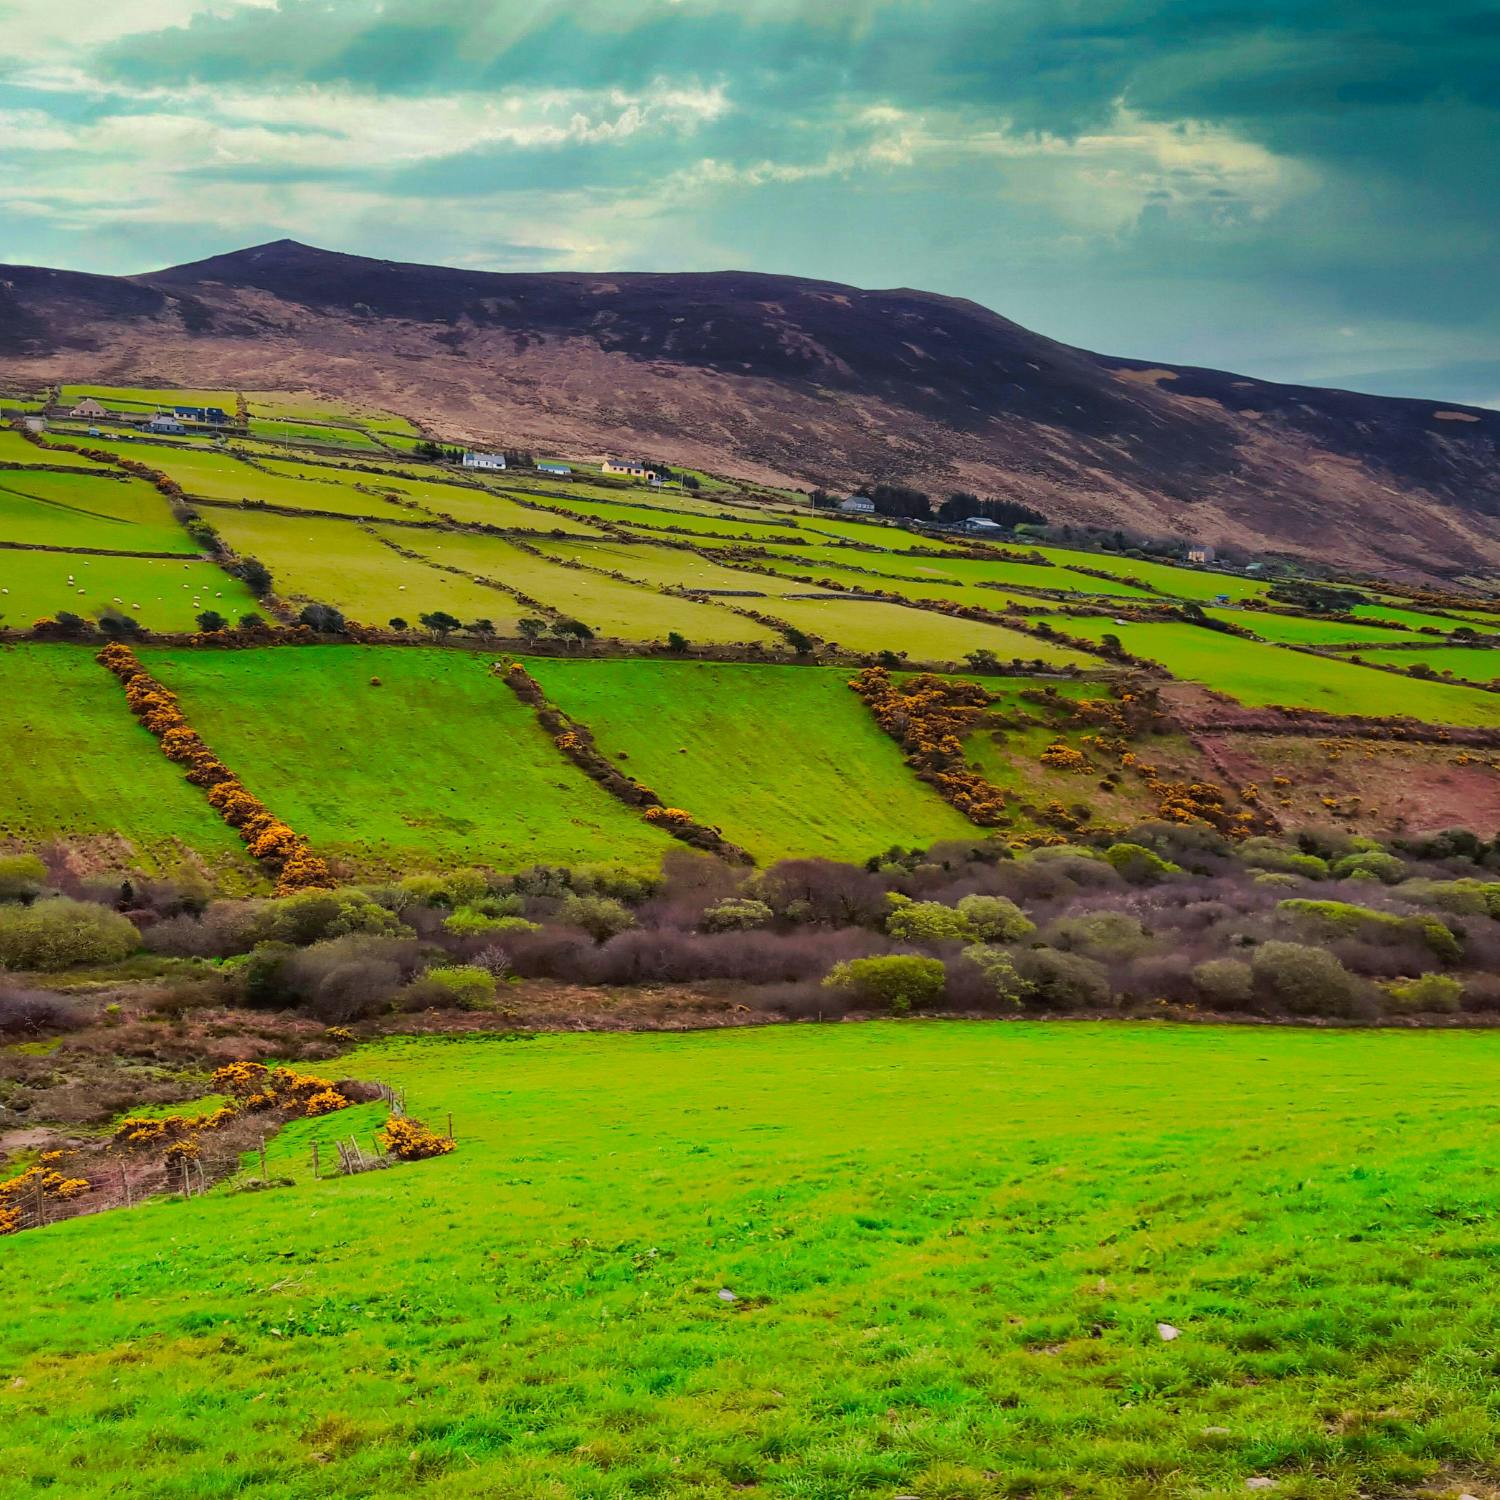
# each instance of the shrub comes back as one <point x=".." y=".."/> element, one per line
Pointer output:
<point x="22" y="877"/>
<point x="928" y="922"/>
<point x="1113" y="934"/>
<point x="411" y="1140"/>
<point x="1224" y="983"/>
<point x="1262" y="853"/>
<point x="600" y="916"/>
<point x="1428" y="993"/>
<point x="320" y="915"/>
<point x="1334" y="919"/>
<point x="59" y="933"/>
<point x="1138" y="865"/>
<point x="995" y="919"/>
<point x="463" y="986"/>
<point x="900" y="982"/>
<point x="33" y="1012"/>
<point x="1063" y="981"/>
<point x="473" y="921"/>
<point x="736" y="914"/>
<point x="1002" y="979"/>
<point x="1371" y="863"/>
<point x="1305" y="981"/>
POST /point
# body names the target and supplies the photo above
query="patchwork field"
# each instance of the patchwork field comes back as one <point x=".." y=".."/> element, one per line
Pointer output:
<point x="787" y="761"/>
<point x="1258" y="674"/>
<point x="1467" y="663"/>
<point x="1296" y="630"/>
<point x="14" y="449"/>
<point x="949" y="1245"/>
<point x="438" y="765"/>
<point x="78" y="769"/>
<point x="132" y="398"/>
<point x="94" y="509"/>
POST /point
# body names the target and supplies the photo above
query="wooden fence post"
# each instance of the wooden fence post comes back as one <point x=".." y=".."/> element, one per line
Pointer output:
<point x="264" y="1179"/>
<point x="125" y="1185"/>
<point x="450" y="1124"/>
<point x="316" y="1172"/>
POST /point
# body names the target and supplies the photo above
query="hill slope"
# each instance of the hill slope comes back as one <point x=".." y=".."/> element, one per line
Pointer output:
<point x="779" y="378"/>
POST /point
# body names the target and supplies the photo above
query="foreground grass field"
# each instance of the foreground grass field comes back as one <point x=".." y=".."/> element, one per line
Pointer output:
<point x="949" y="1248"/>
<point x="786" y="760"/>
<point x="437" y="765"/>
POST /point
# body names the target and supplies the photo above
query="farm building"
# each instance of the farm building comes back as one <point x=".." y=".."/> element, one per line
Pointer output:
<point x="484" y="460"/>
<point x="857" y="505"/>
<point x="164" y="423"/>
<point x="546" y="466"/>
<point x="1200" y="553"/>
<point x="88" y="407"/>
<point x="634" y="471"/>
<point x="981" y="524"/>
<point x="215" y="416"/>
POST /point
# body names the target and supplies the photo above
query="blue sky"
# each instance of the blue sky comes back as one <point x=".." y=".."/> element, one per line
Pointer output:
<point x="1303" y="192"/>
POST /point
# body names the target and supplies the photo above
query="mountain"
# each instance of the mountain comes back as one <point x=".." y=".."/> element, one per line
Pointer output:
<point x="782" y="379"/>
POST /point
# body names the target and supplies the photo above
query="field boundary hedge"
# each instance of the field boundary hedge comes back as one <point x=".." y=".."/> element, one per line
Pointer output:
<point x="267" y="838"/>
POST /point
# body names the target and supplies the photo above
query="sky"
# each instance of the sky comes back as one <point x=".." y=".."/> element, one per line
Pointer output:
<point x="1298" y="191"/>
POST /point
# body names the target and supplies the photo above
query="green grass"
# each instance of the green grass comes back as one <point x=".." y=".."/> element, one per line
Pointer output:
<point x="786" y="760"/>
<point x="469" y="504"/>
<point x="132" y="398"/>
<point x="1177" y="583"/>
<point x="303" y="432"/>
<point x="79" y="769"/>
<point x="610" y="607"/>
<point x="93" y="509"/>
<point x="14" y="449"/>
<point x="440" y="765"/>
<point x="1300" y="631"/>
<point x="1468" y="663"/>
<point x="1258" y="674"/>
<point x="950" y="1245"/>
<point x="1414" y="619"/>
<point x="169" y="594"/>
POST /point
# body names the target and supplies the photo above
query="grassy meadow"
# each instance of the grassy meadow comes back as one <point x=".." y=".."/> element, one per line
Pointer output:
<point x="950" y="1248"/>
<point x="94" y="509"/>
<point x="1466" y="663"/>
<point x="787" y="761"/>
<point x="79" y="769"/>
<point x="438" y="765"/>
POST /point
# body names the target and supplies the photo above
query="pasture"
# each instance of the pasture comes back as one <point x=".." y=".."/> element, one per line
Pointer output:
<point x="786" y="760"/>
<point x="1466" y="663"/>
<point x="92" y="509"/>
<point x="950" y="1249"/>
<point x="437" y="765"/>
<point x="80" y="770"/>
<point x="136" y="399"/>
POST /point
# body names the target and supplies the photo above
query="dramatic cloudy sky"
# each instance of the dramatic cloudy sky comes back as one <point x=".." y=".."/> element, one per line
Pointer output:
<point x="1297" y="190"/>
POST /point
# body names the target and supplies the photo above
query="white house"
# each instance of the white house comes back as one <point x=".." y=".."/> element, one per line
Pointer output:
<point x="164" y="424"/>
<point x="857" y="505"/>
<point x="634" y="471"/>
<point x="484" y="460"/>
<point x="547" y="466"/>
<point x="982" y="523"/>
<point x="88" y="407"/>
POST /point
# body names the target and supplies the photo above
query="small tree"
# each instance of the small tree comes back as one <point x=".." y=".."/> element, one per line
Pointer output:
<point x="324" y="618"/>
<point x="485" y="629"/>
<point x="901" y="982"/>
<point x="531" y="628"/>
<point x="210" y="621"/>
<point x="440" y="623"/>
<point x="799" y="641"/>
<point x="397" y="623"/>
<point x="677" y="642"/>
<point x="254" y="574"/>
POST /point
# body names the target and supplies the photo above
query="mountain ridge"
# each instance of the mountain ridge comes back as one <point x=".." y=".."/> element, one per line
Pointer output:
<point x="795" y="380"/>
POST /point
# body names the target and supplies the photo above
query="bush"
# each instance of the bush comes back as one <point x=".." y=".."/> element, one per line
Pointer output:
<point x="995" y="919"/>
<point x="60" y="933"/>
<point x="318" y="916"/>
<point x="601" y="917"/>
<point x="22" y="877"/>
<point x="1439" y="993"/>
<point x="33" y="1012"/>
<point x="900" y="982"/>
<point x="1224" y="983"/>
<point x="1336" y="919"/>
<point x="473" y="921"/>
<point x="1064" y="981"/>
<point x="1112" y="934"/>
<point x="928" y="922"/>
<point x="462" y="986"/>
<point x="1138" y="865"/>
<point x="410" y="1140"/>
<point x="736" y="914"/>
<point x="1262" y="853"/>
<point x="1305" y="981"/>
<point x="1371" y="864"/>
<point x="1002" y="980"/>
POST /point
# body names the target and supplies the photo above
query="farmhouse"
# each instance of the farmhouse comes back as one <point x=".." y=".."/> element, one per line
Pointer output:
<point x="88" y="407"/>
<point x="214" y="416"/>
<point x="547" y="466"/>
<point x="635" y="471"/>
<point x="1200" y="553"/>
<point x="857" y="505"/>
<point x="484" y="460"/>
<point x="981" y="524"/>
<point x="163" y="423"/>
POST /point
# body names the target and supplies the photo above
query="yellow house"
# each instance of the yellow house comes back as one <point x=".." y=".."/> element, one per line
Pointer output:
<point x="635" y="471"/>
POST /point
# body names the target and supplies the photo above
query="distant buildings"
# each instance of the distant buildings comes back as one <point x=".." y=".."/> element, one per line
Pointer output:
<point x="980" y="524"/>
<point x="212" y="416"/>
<point x="857" y="505"/>
<point x="163" y="423"/>
<point x="484" y="460"/>
<point x="547" y="466"/>
<point x="1200" y="553"/>
<point x="88" y="407"/>
<point x="631" y="471"/>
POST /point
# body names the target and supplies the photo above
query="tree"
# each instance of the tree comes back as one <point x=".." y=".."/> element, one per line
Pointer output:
<point x="572" y="630"/>
<point x="531" y="627"/>
<point x="324" y="618"/>
<point x="440" y="623"/>
<point x="821" y="500"/>
<point x="690" y="481"/>
<point x="799" y="641"/>
<point x="254" y="574"/>
<point x="120" y="627"/>
<point x="210" y="620"/>
<point x="677" y="642"/>
<point x="982" y="660"/>
<point x="250" y="620"/>
<point x="482" y="628"/>
<point x="397" y="623"/>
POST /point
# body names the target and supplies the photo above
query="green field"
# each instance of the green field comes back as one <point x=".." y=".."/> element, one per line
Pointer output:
<point x="303" y="432"/>
<point x="14" y="449"/>
<point x="950" y="1246"/>
<point x="80" y="770"/>
<point x="132" y="398"/>
<point x="1177" y="583"/>
<point x="1414" y="619"/>
<point x="786" y="760"/>
<point x="472" y="504"/>
<point x="1298" y="630"/>
<point x="440" y="765"/>
<point x="608" y="606"/>
<point x="1469" y="663"/>
<point x="1258" y="674"/>
<point x="162" y="595"/>
<point x="92" y="509"/>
